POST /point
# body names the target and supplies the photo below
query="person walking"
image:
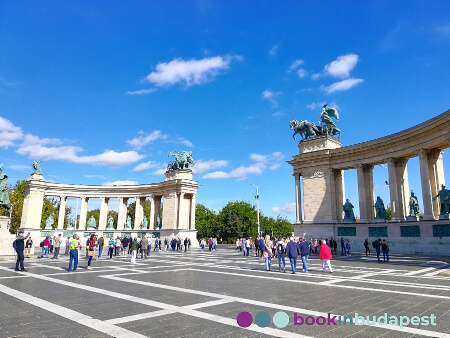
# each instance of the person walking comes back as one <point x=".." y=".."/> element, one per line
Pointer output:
<point x="124" y="243"/>
<point x="19" y="246"/>
<point x="28" y="246"/>
<point x="186" y="243"/>
<point x="45" y="247"/>
<point x="134" y="248"/>
<point x="366" y="246"/>
<point x="376" y="244"/>
<point x="91" y="250"/>
<point x="237" y="245"/>
<point x="101" y="243"/>
<point x="385" y="248"/>
<point x="111" y="245"/>
<point x="118" y="243"/>
<point x="74" y="246"/>
<point x="57" y="244"/>
<point x="144" y="247"/>
<point x="149" y="245"/>
<point x="347" y="247"/>
<point x="343" y="252"/>
<point x="325" y="256"/>
<point x="304" y="253"/>
<point x="67" y="246"/>
<point x="281" y="251"/>
<point x="267" y="252"/>
<point x="316" y="246"/>
<point x="156" y="244"/>
<point x="292" y="252"/>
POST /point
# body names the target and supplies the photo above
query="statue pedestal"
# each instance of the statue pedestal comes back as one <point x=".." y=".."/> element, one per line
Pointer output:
<point x="412" y="218"/>
<point x="348" y="221"/>
<point x="318" y="143"/>
<point x="379" y="220"/>
<point x="179" y="174"/>
<point x="6" y="238"/>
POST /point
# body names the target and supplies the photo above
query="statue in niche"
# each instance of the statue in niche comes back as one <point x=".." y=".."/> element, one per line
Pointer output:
<point x="128" y="223"/>
<point x="49" y="222"/>
<point x="444" y="197"/>
<point x="144" y="223"/>
<point x="91" y="223"/>
<point x="36" y="167"/>
<point x="4" y="195"/>
<point x="70" y="222"/>
<point x="413" y="205"/>
<point x="380" y="209"/>
<point x="110" y="223"/>
<point x="349" y="216"/>
<point x="158" y="222"/>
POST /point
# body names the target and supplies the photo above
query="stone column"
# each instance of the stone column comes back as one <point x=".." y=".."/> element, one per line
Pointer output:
<point x="426" y="186"/>
<point x="402" y="187"/>
<point x="152" y="220"/>
<point x="298" y="199"/>
<point x="33" y="203"/>
<point x="192" y="213"/>
<point x="122" y="217"/>
<point x="362" y="193"/>
<point x="436" y="172"/>
<point x="339" y="197"/>
<point x="157" y="211"/>
<point x="393" y="190"/>
<point x="179" y="217"/>
<point x="103" y="213"/>
<point x="83" y="213"/>
<point x="368" y="171"/>
<point x="170" y="209"/>
<point x="139" y="212"/>
<point x="62" y="212"/>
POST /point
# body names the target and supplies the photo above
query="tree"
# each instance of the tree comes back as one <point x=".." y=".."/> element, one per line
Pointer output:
<point x="206" y="222"/>
<point x="237" y="219"/>
<point x="50" y="208"/>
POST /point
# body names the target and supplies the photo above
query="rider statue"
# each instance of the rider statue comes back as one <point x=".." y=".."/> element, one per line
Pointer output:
<point x="380" y="209"/>
<point x="4" y="195"/>
<point x="413" y="205"/>
<point x="349" y="216"/>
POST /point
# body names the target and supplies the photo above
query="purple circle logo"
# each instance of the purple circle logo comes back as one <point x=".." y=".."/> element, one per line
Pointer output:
<point x="244" y="319"/>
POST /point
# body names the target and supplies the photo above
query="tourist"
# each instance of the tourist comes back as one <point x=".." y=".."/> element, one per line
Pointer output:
<point x="237" y="244"/>
<point x="267" y="252"/>
<point x="343" y="252"/>
<point x="376" y="244"/>
<point x="366" y="246"/>
<point x="385" y="248"/>
<point x="117" y="246"/>
<point x="214" y="243"/>
<point x="45" y="247"/>
<point x="19" y="247"/>
<point x="333" y="245"/>
<point x="281" y="251"/>
<point x="248" y="245"/>
<point x="311" y="246"/>
<point x="149" y="245"/>
<point x="159" y="244"/>
<point x="316" y="245"/>
<point x="304" y="252"/>
<point x="51" y="243"/>
<point x="67" y="246"/>
<point x="274" y="249"/>
<point x="202" y="243"/>
<point x="256" y="246"/>
<point x="186" y="244"/>
<point x="74" y="245"/>
<point x="144" y="247"/>
<point x="91" y="248"/>
<point x="241" y="244"/>
<point x="325" y="256"/>
<point x="87" y="249"/>
<point x="57" y="244"/>
<point x="111" y="245"/>
<point x="189" y="244"/>
<point x="156" y="244"/>
<point x="28" y="246"/>
<point x="178" y="243"/>
<point x="101" y="242"/>
<point x="124" y="243"/>
<point x="134" y="246"/>
<point x="347" y="247"/>
<point x="292" y="251"/>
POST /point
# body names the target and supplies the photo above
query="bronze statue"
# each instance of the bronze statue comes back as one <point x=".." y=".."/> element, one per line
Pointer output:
<point x="444" y="197"/>
<point x="36" y="167"/>
<point x="348" y="211"/>
<point x="413" y="205"/>
<point x="4" y="195"/>
<point x="380" y="209"/>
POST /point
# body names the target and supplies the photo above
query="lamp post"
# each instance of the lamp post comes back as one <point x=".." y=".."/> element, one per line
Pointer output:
<point x="257" y="208"/>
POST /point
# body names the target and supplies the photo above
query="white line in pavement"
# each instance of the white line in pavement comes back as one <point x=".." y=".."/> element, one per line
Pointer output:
<point x="416" y="272"/>
<point x="75" y="316"/>
<point x="438" y="268"/>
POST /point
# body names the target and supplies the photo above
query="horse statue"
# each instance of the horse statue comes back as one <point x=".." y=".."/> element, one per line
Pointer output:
<point x="304" y="128"/>
<point x="182" y="160"/>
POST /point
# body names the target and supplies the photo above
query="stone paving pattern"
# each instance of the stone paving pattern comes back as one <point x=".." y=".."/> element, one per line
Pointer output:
<point x="200" y="294"/>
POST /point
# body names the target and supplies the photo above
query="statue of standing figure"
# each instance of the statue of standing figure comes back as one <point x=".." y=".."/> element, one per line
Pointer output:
<point x="70" y="223"/>
<point x="128" y="223"/>
<point x="158" y="222"/>
<point x="49" y="222"/>
<point x="380" y="209"/>
<point x="36" y="167"/>
<point x="413" y="205"/>
<point x="444" y="197"/>
<point x="349" y="216"/>
<point x="91" y="223"/>
<point x="110" y="223"/>
<point x="4" y="195"/>
<point x="144" y="223"/>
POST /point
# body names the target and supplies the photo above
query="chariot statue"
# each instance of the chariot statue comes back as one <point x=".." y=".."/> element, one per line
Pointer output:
<point x="4" y="195"/>
<point x="413" y="205"/>
<point x="182" y="160"/>
<point x="326" y="125"/>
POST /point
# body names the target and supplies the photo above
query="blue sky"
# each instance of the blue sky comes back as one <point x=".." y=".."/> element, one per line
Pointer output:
<point x="102" y="91"/>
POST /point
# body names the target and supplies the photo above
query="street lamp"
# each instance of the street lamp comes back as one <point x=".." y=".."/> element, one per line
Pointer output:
<point x="257" y="208"/>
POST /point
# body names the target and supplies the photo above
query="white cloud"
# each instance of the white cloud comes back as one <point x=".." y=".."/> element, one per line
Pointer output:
<point x="342" y="85"/>
<point x="121" y="183"/>
<point x="301" y="73"/>
<point x="35" y="140"/>
<point x="295" y="64"/>
<point x="9" y="133"/>
<point x="191" y="72"/>
<point x="262" y="162"/>
<point x="342" y="66"/>
<point x="160" y="172"/>
<point x="315" y="76"/>
<point x="287" y="209"/>
<point x="269" y="95"/>
<point x="274" y="50"/>
<point x="315" y="105"/>
<point x="142" y="91"/>
<point x="96" y="176"/>
<point x="278" y="114"/>
<point x="185" y="142"/>
<point x="202" y="166"/>
<point x="23" y="168"/>
<point x="144" y="139"/>
<point x="146" y="165"/>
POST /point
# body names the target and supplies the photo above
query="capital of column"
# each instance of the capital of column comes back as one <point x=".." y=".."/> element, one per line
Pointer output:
<point x="422" y="152"/>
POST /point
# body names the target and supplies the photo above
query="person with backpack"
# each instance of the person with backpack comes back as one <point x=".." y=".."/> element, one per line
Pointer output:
<point x="347" y="246"/>
<point x="343" y="252"/>
<point x="28" y="246"/>
<point x="366" y="246"/>
<point x="304" y="253"/>
<point x="19" y="246"/>
<point x="376" y="244"/>
<point x="385" y="248"/>
<point x="292" y="252"/>
<point x="91" y="250"/>
<point x="45" y="245"/>
<point x="111" y="245"/>
<point x="281" y="252"/>
<point x="134" y="247"/>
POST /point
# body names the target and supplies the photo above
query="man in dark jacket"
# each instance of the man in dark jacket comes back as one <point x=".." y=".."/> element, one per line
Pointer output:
<point x="19" y="246"/>
<point x="304" y="252"/>
<point x="377" y="245"/>
<point x="292" y="252"/>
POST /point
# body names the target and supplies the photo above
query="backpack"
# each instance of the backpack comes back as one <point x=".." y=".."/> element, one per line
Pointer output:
<point x="42" y="244"/>
<point x="261" y="245"/>
<point x="280" y="248"/>
<point x="15" y="245"/>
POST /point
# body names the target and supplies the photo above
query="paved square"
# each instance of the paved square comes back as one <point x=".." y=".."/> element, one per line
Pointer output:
<point x="200" y="294"/>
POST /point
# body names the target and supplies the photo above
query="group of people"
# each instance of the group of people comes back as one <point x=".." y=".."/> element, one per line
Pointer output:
<point x="212" y="244"/>
<point x="379" y="246"/>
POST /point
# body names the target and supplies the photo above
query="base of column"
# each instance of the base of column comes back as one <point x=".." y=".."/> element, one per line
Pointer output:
<point x="446" y="216"/>
<point x="379" y="220"/>
<point x="412" y="219"/>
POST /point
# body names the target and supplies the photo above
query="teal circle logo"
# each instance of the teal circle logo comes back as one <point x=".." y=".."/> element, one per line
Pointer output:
<point x="262" y="319"/>
<point x="281" y="319"/>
